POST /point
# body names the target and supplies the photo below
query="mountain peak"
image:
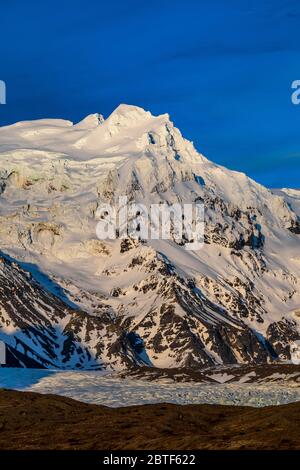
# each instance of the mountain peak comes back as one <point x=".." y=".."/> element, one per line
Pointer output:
<point x="126" y="114"/>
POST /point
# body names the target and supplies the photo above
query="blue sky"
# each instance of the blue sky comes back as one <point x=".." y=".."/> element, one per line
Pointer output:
<point x="222" y="70"/>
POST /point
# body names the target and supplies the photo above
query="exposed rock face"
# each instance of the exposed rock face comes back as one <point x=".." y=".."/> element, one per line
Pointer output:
<point x="123" y="302"/>
<point x="41" y="330"/>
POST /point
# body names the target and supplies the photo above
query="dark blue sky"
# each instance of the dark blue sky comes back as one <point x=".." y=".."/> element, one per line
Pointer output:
<point x="222" y="70"/>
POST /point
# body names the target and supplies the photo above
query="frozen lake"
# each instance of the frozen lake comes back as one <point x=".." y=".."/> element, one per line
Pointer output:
<point x="106" y="389"/>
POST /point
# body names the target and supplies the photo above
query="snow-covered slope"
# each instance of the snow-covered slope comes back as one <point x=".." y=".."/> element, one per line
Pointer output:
<point x="148" y="302"/>
<point x="292" y="197"/>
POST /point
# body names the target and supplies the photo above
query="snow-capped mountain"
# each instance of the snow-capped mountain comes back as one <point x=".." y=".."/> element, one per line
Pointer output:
<point x="68" y="299"/>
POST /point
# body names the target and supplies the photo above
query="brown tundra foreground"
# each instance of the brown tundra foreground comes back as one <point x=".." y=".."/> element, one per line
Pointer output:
<point x="34" y="421"/>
